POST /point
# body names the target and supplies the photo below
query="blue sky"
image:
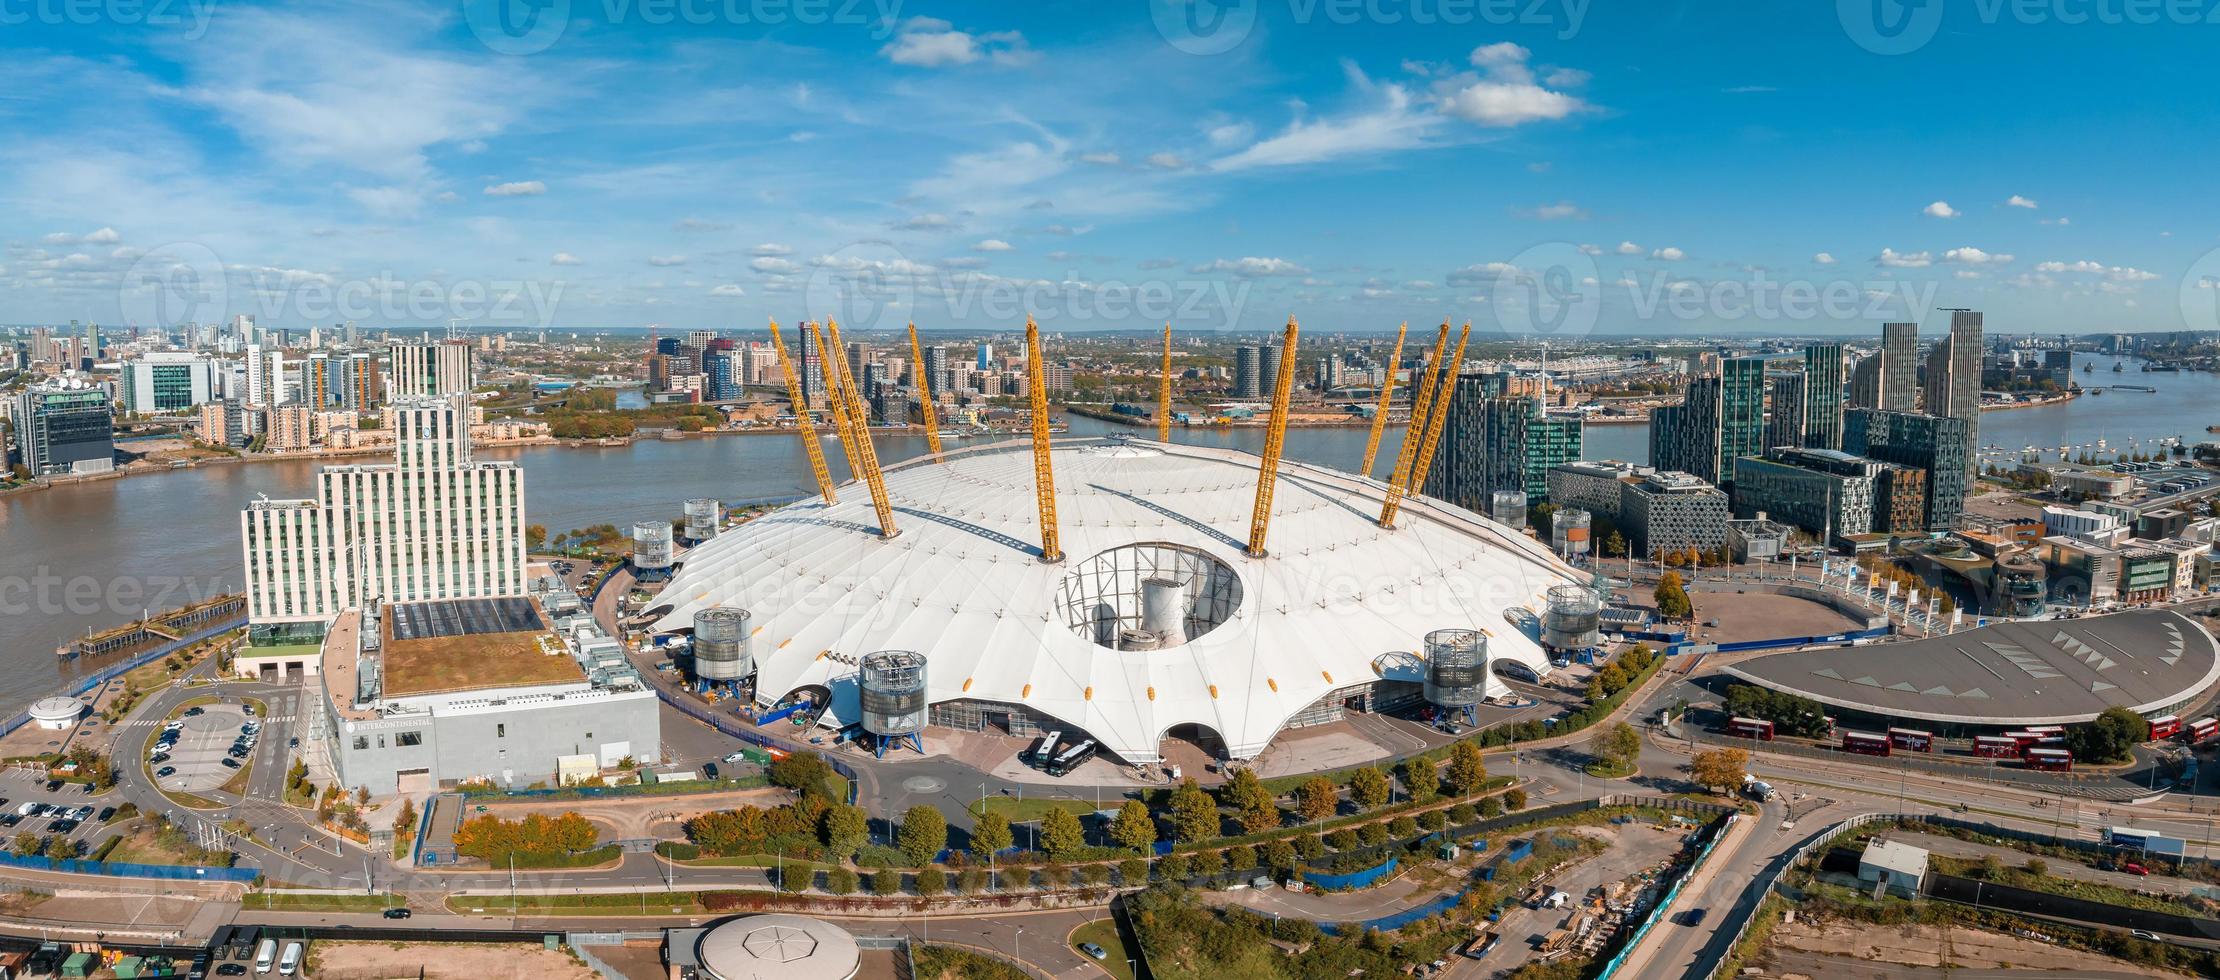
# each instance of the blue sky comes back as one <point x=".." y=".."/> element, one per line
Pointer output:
<point x="1537" y="167"/>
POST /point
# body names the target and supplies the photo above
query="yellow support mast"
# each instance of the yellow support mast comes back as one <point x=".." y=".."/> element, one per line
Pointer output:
<point x="1268" y="470"/>
<point x="1435" y="426"/>
<point x="1406" y="455"/>
<point x="801" y="418"/>
<point x="1380" y="411"/>
<point x="1044" y="476"/>
<point x="924" y="394"/>
<point x="839" y="405"/>
<point x="859" y="421"/>
<point x="1164" y="392"/>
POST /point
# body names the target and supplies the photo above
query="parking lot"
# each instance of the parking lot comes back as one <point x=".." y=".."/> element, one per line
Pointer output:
<point x="28" y="805"/>
<point x="203" y="750"/>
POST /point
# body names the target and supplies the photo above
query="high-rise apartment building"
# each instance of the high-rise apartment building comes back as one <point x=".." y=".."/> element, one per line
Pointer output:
<point x="1490" y="443"/>
<point x="1899" y="367"/>
<point x="1954" y="378"/>
<point x="359" y="386"/>
<point x="1248" y="372"/>
<point x="986" y="357"/>
<point x="1868" y="381"/>
<point x="434" y="524"/>
<point x="1722" y="418"/>
<point x="430" y="369"/>
<point x="1784" y="417"/>
<point x="1823" y="384"/>
<point x="1929" y="442"/>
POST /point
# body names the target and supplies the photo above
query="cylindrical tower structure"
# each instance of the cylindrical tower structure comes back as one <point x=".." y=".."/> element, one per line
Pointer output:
<point x="1569" y="532"/>
<point x="1456" y="668"/>
<point x="1574" y="619"/>
<point x="651" y="549"/>
<point x="1508" y="507"/>
<point x="891" y="684"/>
<point x="703" y="515"/>
<point x="1164" y="609"/>
<point x="723" y="651"/>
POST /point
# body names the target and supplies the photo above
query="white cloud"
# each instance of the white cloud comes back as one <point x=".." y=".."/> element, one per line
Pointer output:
<point x="1556" y="212"/>
<point x="1904" y="260"/>
<point x="1101" y="159"/>
<point x="1252" y="267"/>
<point x="1482" y="274"/>
<point x="923" y="222"/>
<point x="1586" y="249"/>
<point x="2062" y="222"/>
<point x="1968" y="255"/>
<point x="1668" y="254"/>
<point x="1393" y="123"/>
<point x="517" y="188"/>
<point x="104" y="236"/>
<point x="727" y="289"/>
<point x="927" y="42"/>
<point x="773" y="265"/>
<point x="1229" y="134"/>
<point x="1628" y="248"/>
<point x="991" y="245"/>
<point x="1823" y="258"/>
<point x="1167" y="161"/>
<point x="2016" y="201"/>
<point x="771" y="248"/>
<point x="1164" y="263"/>
<point x="1505" y="93"/>
<point x="565" y="258"/>
<point x="1967" y="274"/>
<point x="666" y="260"/>
<point x="701" y="224"/>
<point x="1940" y="209"/>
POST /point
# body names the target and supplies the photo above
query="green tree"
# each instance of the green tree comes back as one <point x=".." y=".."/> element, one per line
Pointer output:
<point x="1720" y="768"/>
<point x="840" y="881"/>
<point x="1619" y="743"/>
<point x="1515" y="798"/>
<point x="1194" y="813"/>
<point x="803" y="772"/>
<point x="1061" y="835"/>
<point x="2109" y="738"/>
<point x="1258" y="809"/>
<point x="924" y="832"/>
<point x="1134" y="829"/>
<point x="1468" y="771"/>
<point x="1421" y="779"/>
<point x="1672" y="597"/>
<point x="1369" y="787"/>
<point x="990" y="834"/>
<point x="1316" y="799"/>
<point x="1614" y="544"/>
<point x="844" y="828"/>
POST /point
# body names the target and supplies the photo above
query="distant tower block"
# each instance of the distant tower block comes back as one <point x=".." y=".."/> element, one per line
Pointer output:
<point x="1569" y="530"/>
<point x="1573" y="622"/>
<point x="703" y="515"/>
<point x="724" y="647"/>
<point x="1456" y="672"/>
<point x="892" y="688"/>
<point x="1508" y="507"/>
<point x="651" y="550"/>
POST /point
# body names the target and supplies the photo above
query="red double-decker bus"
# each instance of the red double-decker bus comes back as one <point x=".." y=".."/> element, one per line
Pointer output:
<point x="2202" y="729"/>
<point x="1996" y="747"/>
<point x="1912" y="739"/>
<point x="2050" y="760"/>
<point x="1865" y="743"/>
<point x="2165" y="726"/>
<point x="1757" y="728"/>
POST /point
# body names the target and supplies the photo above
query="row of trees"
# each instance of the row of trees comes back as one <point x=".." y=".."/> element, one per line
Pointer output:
<point x="1790" y="714"/>
<point x="1619" y="674"/>
<point x="534" y="839"/>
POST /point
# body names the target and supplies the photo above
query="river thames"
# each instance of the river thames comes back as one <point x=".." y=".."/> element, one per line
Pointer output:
<point x="91" y="556"/>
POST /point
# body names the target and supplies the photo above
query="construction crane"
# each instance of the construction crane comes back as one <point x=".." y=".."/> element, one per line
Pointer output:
<point x="801" y="418"/>
<point x="1268" y="469"/>
<point x="1380" y="411"/>
<point x="924" y="394"/>
<point x="1164" y="392"/>
<point x="1441" y="413"/>
<point x="859" y="421"/>
<point x="1044" y="476"/>
<point x="1406" y="455"/>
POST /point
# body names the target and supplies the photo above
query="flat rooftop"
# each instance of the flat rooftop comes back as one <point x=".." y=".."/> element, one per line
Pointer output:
<point x="471" y="644"/>
<point x="2033" y="673"/>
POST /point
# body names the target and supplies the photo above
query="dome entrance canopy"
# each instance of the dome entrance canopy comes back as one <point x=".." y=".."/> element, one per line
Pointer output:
<point x="1148" y="596"/>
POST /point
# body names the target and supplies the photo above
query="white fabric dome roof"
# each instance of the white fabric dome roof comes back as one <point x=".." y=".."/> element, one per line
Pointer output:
<point x="963" y="584"/>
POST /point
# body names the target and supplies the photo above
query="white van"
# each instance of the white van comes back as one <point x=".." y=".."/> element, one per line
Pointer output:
<point x="265" y="954"/>
<point x="292" y="960"/>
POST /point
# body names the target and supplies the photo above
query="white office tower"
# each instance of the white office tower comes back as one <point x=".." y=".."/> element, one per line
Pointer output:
<point x="434" y="524"/>
<point x="430" y="369"/>
<point x="258" y="376"/>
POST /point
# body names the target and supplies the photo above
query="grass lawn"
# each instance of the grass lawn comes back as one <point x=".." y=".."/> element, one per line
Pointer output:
<point x="644" y="903"/>
<point x="1104" y="933"/>
<point x="140" y="848"/>
<point x="321" y="903"/>
<point x="1027" y="811"/>
<point x="754" y="861"/>
<point x="1610" y="769"/>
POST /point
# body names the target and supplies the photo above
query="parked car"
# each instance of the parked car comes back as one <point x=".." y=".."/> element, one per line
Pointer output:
<point x="1095" y="951"/>
<point x="107" y="813"/>
<point x="231" y="970"/>
<point x="229" y="763"/>
<point x="165" y="772"/>
<point x="2135" y="869"/>
<point x="195" y="712"/>
<point x="62" y="826"/>
<point x="158" y="758"/>
<point x="294" y="742"/>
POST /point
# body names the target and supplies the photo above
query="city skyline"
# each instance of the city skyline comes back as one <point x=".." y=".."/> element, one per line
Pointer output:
<point x="1362" y="173"/>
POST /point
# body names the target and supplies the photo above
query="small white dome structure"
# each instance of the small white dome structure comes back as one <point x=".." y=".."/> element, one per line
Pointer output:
<point x="57" y="712"/>
<point x="778" y="947"/>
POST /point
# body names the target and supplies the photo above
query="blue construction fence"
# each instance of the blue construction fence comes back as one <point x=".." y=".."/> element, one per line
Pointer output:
<point x="117" y="869"/>
<point x="1718" y="833"/>
<point x="113" y="671"/>
<point x="749" y="734"/>
<point x="1354" y="879"/>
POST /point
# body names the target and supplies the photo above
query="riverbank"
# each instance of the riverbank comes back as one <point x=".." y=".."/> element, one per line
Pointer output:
<point x="2039" y="403"/>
